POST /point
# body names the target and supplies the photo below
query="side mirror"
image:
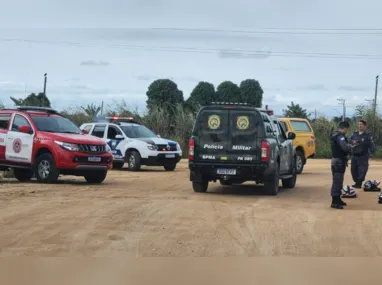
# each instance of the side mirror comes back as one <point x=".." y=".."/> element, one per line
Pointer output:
<point x="85" y="132"/>
<point x="291" y="136"/>
<point x="25" y="129"/>
<point x="119" y="137"/>
<point x="158" y="135"/>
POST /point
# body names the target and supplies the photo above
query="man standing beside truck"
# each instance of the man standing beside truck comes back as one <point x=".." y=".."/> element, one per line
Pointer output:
<point x="340" y="150"/>
<point x="364" y="147"/>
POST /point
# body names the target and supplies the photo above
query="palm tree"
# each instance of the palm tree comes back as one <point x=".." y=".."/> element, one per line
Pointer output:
<point x="92" y="110"/>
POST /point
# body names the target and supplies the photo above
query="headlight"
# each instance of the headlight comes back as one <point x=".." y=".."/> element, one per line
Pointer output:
<point x="152" y="147"/>
<point x="68" y="146"/>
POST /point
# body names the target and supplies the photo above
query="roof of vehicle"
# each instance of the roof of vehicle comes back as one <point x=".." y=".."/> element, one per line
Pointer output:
<point x="35" y="110"/>
<point x="234" y="105"/>
<point x="294" y="119"/>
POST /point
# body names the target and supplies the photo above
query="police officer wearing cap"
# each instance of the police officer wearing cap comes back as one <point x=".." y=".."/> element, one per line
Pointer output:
<point x="363" y="147"/>
<point x="340" y="150"/>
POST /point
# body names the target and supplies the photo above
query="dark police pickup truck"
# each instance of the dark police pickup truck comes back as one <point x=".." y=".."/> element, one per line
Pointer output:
<point x="234" y="143"/>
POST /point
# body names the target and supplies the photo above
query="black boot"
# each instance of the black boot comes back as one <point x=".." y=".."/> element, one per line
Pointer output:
<point x="358" y="185"/>
<point x="341" y="202"/>
<point x="336" y="204"/>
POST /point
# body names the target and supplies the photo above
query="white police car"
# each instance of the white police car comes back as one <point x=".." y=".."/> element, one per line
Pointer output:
<point x="134" y="144"/>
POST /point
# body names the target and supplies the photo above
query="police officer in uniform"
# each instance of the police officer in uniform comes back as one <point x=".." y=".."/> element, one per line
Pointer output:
<point x="340" y="150"/>
<point x="363" y="148"/>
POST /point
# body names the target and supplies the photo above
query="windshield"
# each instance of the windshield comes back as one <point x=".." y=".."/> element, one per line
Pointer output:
<point x="137" y="132"/>
<point x="55" y="124"/>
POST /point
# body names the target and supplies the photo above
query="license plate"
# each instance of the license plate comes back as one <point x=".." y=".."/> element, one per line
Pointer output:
<point x="94" y="159"/>
<point x="170" y="155"/>
<point x="226" y="171"/>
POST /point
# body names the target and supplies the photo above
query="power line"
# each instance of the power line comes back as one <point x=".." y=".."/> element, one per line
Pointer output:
<point x="287" y="31"/>
<point x="223" y="52"/>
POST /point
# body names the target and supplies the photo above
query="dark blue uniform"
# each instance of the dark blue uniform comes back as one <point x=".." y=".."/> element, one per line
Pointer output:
<point x="340" y="150"/>
<point x="363" y="147"/>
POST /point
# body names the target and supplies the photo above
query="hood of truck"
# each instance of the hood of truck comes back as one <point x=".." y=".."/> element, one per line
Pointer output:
<point x="72" y="138"/>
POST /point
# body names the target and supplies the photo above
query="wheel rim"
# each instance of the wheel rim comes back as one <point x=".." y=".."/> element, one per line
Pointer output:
<point x="44" y="169"/>
<point x="131" y="161"/>
<point x="299" y="162"/>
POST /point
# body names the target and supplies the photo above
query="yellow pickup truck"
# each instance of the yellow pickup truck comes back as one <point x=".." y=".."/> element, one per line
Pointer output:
<point x="304" y="142"/>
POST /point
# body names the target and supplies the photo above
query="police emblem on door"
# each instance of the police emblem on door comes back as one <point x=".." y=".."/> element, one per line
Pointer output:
<point x="242" y="122"/>
<point x="214" y="122"/>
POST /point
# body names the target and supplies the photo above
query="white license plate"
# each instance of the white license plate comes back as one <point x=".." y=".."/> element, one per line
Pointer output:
<point x="170" y="155"/>
<point x="225" y="171"/>
<point x="94" y="159"/>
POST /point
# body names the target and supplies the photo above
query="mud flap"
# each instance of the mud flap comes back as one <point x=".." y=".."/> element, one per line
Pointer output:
<point x="196" y="176"/>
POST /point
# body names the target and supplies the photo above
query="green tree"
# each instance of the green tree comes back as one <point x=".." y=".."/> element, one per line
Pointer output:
<point x="164" y="93"/>
<point x="202" y="94"/>
<point x="228" y="91"/>
<point x="295" y="111"/>
<point x="91" y="110"/>
<point x="251" y="92"/>
<point x="39" y="100"/>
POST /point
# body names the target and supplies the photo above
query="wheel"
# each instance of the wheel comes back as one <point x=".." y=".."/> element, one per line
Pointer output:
<point x="170" y="167"/>
<point x="22" y="174"/>
<point x="134" y="161"/>
<point x="45" y="169"/>
<point x="118" y="164"/>
<point x="96" y="177"/>
<point x="225" y="182"/>
<point x="291" y="182"/>
<point x="300" y="162"/>
<point x="200" y="187"/>
<point x="271" y="183"/>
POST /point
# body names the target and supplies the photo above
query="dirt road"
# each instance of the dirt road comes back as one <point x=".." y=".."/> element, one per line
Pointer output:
<point x="156" y="213"/>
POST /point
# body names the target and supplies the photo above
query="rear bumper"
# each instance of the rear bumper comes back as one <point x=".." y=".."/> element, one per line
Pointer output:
<point x="161" y="159"/>
<point x="255" y="172"/>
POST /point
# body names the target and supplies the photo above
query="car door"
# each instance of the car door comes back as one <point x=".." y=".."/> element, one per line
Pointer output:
<point x="113" y="142"/>
<point x="5" y="118"/>
<point x="19" y="146"/>
<point x="284" y="147"/>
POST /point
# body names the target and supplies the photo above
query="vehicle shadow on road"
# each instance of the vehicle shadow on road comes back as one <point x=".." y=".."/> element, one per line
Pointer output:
<point x="139" y="171"/>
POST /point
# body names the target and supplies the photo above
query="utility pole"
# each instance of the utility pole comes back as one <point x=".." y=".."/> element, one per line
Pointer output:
<point x="45" y="78"/>
<point x="375" y="95"/>
<point x="102" y="108"/>
<point x="343" y="103"/>
<point x="315" y="114"/>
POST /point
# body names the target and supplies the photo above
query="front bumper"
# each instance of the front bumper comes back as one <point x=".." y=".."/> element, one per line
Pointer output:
<point x="162" y="159"/>
<point x="71" y="161"/>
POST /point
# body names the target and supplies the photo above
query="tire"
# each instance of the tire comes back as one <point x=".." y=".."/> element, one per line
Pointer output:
<point x="134" y="161"/>
<point x="200" y="187"/>
<point x="96" y="177"/>
<point x="45" y="169"/>
<point x="300" y="162"/>
<point x="271" y="183"/>
<point x="22" y="175"/>
<point x="225" y="183"/>
<point x="291" y="182"/>
<point x="118" y="165"/>
<point x="170" y="167"/>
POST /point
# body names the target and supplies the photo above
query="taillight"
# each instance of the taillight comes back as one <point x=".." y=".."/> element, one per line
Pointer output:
<point x="312" y="137"/>
<point x="265" y="148"/>
<point x="191" y="149"/>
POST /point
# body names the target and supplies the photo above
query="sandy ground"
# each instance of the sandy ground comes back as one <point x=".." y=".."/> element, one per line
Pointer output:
<point x="156" y="213"/>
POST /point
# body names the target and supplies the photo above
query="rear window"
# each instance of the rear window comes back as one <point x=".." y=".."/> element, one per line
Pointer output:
<point x="213" y="122"/>
<point x="4" y="121"/>
<point x="300" y="126"/>
<point x="244" y="122"/>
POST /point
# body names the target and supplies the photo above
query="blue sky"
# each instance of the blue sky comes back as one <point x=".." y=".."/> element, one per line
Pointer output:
<point x="98" y="50"/>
